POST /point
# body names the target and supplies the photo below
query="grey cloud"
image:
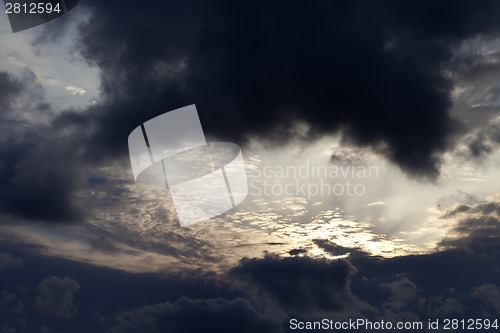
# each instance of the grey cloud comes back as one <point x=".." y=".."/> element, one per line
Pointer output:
<point x="445" y="306"/>
<point x="404" y="295"/>
<point x="9" y="88"/>
<point x="299" y="285"/>
<point x="55" y="297"/>
<point x="489" y="294"/>
<point x="262" y="294"/>
<point x="457" y="198"/>
<point x="10" y="302"/>
<point x="8" y="261"/>
<point x="296" y="252"/>
<point x="260" y="72"/>
<point x="477" y="228"/>
<point x="475" y="68"/>
<point x="338" y="250"/>
<point x="104" y="244"/>
<point x="7" y="329"/>
<point x="21" y="102"/>
<point x="198" y="315"/>
<point x="384" y="89"/>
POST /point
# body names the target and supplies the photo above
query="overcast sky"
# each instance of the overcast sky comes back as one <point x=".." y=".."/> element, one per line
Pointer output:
<point x="398" y="101"/>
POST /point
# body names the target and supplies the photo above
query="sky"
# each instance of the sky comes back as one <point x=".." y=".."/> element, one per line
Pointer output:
<point x="370" y="132"/>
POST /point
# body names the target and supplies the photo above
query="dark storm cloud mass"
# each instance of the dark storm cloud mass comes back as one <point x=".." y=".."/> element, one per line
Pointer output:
<point x="373" y="69"/>
<point x="186" y="315"/>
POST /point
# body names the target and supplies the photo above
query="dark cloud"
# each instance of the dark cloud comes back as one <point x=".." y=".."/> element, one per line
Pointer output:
<point x="258" y="68"/>
<point x="104" y="244"/>
<point x="41" y="163"/>
<point x="373" y="71"/>
<point x="38" y="176"/>
<point x="296" y="252"/>
<point x="9" y="88"/>
<point x="253" y="69"/>
<point x="9" y="301"/>
<point x="299" y="285"/>
<point x="337" y="250"/>
<point x="490" y="296"/>
<point x="258" y="294"/>
<point x="186" y="315"/>
<point x="8" y="261"/>
<point x="7" y="329"/>
<point x="477" y="228"/>
<point x="456" y="198"/>
<point x="55" y="297"/>
<point x="393" y="290"/>
<point x="475" y="69"/>
<point x="485" y="141"/>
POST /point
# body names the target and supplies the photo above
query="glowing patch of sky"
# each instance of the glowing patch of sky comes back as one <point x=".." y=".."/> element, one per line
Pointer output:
<point x="53" y="63"/>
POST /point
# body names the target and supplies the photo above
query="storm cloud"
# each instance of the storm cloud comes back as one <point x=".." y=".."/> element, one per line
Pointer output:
<point x="374" y="71"/>
<point x="299" y="285"/>
<point x="9" y="88"/>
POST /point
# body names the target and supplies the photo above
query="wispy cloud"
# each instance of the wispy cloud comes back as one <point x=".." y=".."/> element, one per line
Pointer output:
<point x="75" y="90"/>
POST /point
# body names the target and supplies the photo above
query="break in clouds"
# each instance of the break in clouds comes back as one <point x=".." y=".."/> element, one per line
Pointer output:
<point x="310" y="180"/>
